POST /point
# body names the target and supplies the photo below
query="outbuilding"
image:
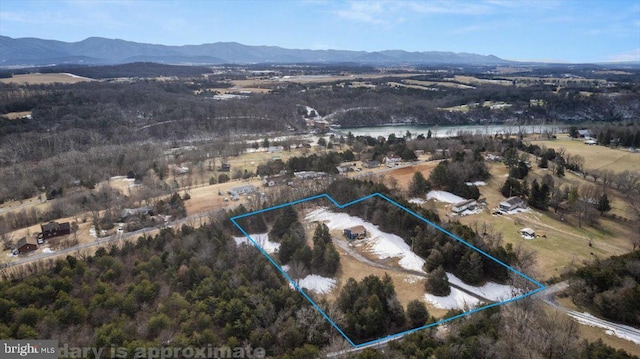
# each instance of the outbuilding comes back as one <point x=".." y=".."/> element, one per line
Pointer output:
<point x="24" y="245"/>
<point x="528" y="233"/>
<point x="460" y="207"/>
<point x="355" y="232"/>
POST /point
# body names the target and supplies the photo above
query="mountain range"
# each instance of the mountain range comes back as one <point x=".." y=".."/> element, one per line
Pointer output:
<point x="102" y="51"/>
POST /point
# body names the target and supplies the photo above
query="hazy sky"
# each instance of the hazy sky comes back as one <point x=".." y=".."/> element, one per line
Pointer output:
<point x="573" y="31"/>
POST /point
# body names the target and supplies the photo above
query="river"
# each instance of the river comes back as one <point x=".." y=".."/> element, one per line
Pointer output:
<point x="448" y="131"/>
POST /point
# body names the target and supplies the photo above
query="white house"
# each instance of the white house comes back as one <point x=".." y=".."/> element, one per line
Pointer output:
<point x="392" y="160"/>
<point x="511" y="204"/>
<point x="238" y="191"/>
<point x="308" y="174"/>
<point x="345" y="169"/>
<point x="460" y="207"/>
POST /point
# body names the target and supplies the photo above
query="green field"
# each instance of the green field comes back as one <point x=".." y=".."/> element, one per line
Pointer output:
<point x="596" y="157"/>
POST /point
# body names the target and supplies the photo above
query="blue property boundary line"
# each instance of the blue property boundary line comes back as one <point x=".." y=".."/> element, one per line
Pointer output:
<point x="397" y="335"/>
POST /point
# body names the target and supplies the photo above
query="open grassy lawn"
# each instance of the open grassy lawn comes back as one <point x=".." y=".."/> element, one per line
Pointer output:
<point x="618" y="201"/>
<point x="595" y="157"/>
<point x="566" y="243"/>
<point x="44" y="79"/>
<point x="15" y="115"/>
<point x="474" y="80"/>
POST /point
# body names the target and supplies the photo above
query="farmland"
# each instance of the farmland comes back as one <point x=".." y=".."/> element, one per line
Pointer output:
<point x="596" y="157"/>
<point x="45" y="79"/>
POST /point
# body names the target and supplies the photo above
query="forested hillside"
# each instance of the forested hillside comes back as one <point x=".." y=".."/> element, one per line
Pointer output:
<point x="194" y="287"/>
<point x="609" y="288"/>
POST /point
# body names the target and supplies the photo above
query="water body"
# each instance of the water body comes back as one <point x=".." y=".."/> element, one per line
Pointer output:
<point x="449" y="131"/>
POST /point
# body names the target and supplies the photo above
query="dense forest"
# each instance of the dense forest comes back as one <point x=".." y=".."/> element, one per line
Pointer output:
<point x="194" y="287"/>
<point x="609" y="288"/>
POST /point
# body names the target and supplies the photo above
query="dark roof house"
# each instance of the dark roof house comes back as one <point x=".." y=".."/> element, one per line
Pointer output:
<point x="54" y="229"/>
<point x="371" y="164"/>
<point x="585" y="134"/>
<point x="25" y="244"/>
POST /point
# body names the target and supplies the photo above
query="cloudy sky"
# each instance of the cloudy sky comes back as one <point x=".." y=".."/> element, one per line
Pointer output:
<point x="558" y="30"/>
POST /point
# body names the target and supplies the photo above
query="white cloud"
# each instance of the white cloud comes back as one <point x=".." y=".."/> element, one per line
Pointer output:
<point x="14" y="17"/>
<point x="633" y="55"/>
<point x="449" y="7"/>
<point x="389" y="12"/>
<point x="366" y="11"/>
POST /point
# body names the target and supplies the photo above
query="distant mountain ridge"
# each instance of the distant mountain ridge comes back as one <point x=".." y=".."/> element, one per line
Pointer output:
<point x="102" y="51"/>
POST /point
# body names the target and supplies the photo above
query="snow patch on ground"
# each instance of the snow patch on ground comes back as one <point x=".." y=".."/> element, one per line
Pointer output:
<point x="457" y="299"/>
<point x="316" y="283"/>
<point x="490" y="290"/>
<point x="75" y="76"/>
<point x="476" y="183"/>
<point x="468" y="212"/>
<point x="461" y="300"/>
<point x="592" y="321"/>
<point x="443" y="196"/>
<point x="412" y="279"/>
<point x="384" y="245"/>
<point x="417" y="200"/>
<point x="518" y="210"/>
<point x="262" y="239"/>
<point x="48" y="250"/>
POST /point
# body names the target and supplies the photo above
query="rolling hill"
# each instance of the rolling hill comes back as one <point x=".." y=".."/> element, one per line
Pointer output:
<point x="97" y="50"/>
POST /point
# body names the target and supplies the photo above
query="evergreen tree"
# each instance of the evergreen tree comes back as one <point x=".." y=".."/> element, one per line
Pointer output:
<point x="324" y="257"/>
<point x="283" y="222"/>
<point x="470" y="268"/>
<point x="331" y="260"/>
<point x="417" y="313"/>
<point x="419" y="185"/>
<point x="408" y="155"/>
<point x="544" y="163"/>
<point x="302" y="254"/>
<point x="512" y="187"/>
<point x="435" y="260"/>
<point x="440" y="177"/>
<point x="288" y="246"/>
<point x="603" y="204"/>
<point x="437" y="283"/>
<point x="519" y="171"/>
<point x="539" y="197"/>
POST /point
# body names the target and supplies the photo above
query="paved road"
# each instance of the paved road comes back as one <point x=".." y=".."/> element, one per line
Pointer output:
<point x="100" y="241"/>
<point x="22" y="205"/>
<point x="619" y="330"/>
<point x="547" y="296"/>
